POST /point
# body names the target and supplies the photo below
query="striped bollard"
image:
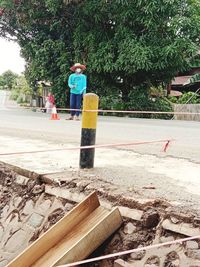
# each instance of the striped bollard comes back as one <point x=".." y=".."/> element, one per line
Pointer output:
<point x="88" y="133"/>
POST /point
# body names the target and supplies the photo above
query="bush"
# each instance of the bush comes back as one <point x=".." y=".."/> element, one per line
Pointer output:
<point x="186" y="98"/>
<point x="14" y="94"/>
<point x="20" y="100"/>
<point x="140" y="100"/>
<point x="190" y="98"/>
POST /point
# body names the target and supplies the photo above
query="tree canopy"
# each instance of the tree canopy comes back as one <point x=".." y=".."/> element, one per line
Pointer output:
<point x="124" y="43"/>
<point x="7" y="79"/>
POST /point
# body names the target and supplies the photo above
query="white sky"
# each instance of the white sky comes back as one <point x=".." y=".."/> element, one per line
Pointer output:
<point x="10" y="57"/>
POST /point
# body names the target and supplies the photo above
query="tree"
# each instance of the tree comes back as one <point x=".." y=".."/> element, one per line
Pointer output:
<point x="43" y="30"/>
<point x="7" y="79"/>
<point x="21" y="91"/>
<point x="125" y="43"/>
<point x="139" y="42"/>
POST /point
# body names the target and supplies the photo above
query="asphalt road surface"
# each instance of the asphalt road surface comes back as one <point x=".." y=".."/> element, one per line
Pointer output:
<point x="175" y="174"/>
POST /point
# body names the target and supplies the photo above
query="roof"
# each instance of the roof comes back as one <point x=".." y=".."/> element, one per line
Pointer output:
<point x="175" y="93"/>
<point x="181" y="80"/>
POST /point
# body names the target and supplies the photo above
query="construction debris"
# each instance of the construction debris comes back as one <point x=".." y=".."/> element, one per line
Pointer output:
<point x="29" y="207"/>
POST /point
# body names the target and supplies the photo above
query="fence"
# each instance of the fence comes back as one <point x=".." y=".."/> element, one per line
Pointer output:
<point x="187" y="108"/>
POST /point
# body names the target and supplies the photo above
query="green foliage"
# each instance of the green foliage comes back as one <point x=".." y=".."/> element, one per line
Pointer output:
<point x="21" y="90"/>
<point x="139" y="100"/>
<point x="190" y="98"/>
<point x="186" y="98"/>
<point x="195" y="78"/>
<point x="142" y="42"/>
<point x="124" y="43"/>
<point x="7" y="79"/>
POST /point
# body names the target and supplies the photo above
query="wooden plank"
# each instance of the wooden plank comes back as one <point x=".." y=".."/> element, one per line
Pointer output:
<point x="91" y="240"/>
<point x="68" y="241"/>
<point x="84" y="238"/>
<point x="56" y="233"/>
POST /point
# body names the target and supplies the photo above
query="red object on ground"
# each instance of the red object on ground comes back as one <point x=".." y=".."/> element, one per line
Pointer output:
<point x="166" y="146"/>
<point x="54" y="115"/>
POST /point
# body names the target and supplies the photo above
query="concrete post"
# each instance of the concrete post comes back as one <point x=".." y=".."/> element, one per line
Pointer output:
<point x="88" y="133"/>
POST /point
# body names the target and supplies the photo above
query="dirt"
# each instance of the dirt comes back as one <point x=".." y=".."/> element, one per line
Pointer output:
<point x="145" y="231"/>
<point x="32" y="190"/>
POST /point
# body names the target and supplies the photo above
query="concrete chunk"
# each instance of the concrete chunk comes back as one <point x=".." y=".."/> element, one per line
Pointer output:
<point x="21" y="180"/>
<point x="121" y="263"/>
<point x="192" y="245"/>
<point x="181" y="228"/>
<point x="131" y="213"/>
<point x="64" y="193"/>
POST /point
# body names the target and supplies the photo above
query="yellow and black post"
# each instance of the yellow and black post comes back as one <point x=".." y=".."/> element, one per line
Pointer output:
<point x="88" y="134"/>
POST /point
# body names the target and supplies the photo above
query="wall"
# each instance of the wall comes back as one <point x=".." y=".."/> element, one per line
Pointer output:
<point x="189" y="108"/>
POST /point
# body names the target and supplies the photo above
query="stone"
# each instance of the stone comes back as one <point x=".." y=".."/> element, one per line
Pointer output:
<point x="68" y="206"/>
<point x="195" y="254"/>
<point x="181" y="228"/>
<point x="82" y="184"/>
<point x="133" y="214"/>
<point x="150" y="219"/>
<point x="106" y="204"/>
<point x="4" y="212"/>
<point x="129" y="228"/>
<point x="137" y="255"/>
<point x="64" y="193"/>
<point x="192" y="245"/>
<point x="196" y="222"/>
<point x="44" y="207"/>
<point x="35" y="220"/>
<point x="21" y="180"/>
<point x="1" y="232"/>
<point x="16" y="241"/>
<point x="8" y="181"/>
<point x="150" y="265"/>
<point x="174" y="220"/>
<point x="121" y="263"/>
<point x="28" y="209"/>
<point x="17" y="201"/>
<point x="175" y="263"/>
<point x="38" y="189"/>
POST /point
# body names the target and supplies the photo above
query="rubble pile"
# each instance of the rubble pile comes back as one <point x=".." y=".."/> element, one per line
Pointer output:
<point x="28" y="207"/>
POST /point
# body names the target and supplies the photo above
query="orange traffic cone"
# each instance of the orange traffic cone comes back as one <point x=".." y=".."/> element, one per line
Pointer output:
<point x="54" y="115"/>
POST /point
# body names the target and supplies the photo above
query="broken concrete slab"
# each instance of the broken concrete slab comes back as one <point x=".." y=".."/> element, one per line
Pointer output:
<point x="192" y="245"/>
<point x="21" y="180"/>
<point x="133" y="214"/>
<point x="64" y="193"/>
<point x="181" y="228"/>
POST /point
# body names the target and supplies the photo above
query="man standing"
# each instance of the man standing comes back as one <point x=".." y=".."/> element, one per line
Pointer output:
<point x="77" y="83"/>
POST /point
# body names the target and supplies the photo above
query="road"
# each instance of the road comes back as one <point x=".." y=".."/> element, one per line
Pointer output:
<point x="3" y="96"/>
<point x="136" y="166"/>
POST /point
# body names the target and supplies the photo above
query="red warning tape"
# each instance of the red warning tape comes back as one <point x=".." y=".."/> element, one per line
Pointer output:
<point x="90" y="147"/>
<point x="178" y="241"/>
<point x="130" y="111"/>
<point x="125" y="111"/>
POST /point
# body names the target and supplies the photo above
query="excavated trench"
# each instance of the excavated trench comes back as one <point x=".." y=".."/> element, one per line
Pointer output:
<point x="30" y="204"/>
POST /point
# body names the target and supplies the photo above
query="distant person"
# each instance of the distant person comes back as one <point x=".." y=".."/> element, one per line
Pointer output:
<point x="50" y="102"/>
<point x="77" y="83"/>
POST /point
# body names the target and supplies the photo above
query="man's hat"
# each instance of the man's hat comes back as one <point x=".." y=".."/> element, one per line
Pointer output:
<point x="78" y="65"/>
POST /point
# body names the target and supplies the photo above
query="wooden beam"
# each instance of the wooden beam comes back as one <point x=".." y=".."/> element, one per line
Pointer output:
<point x="56" y="233"/>
<point x="73" y="238"/>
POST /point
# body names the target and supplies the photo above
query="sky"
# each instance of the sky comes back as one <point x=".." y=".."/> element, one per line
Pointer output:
<point x="10" y="57"/>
